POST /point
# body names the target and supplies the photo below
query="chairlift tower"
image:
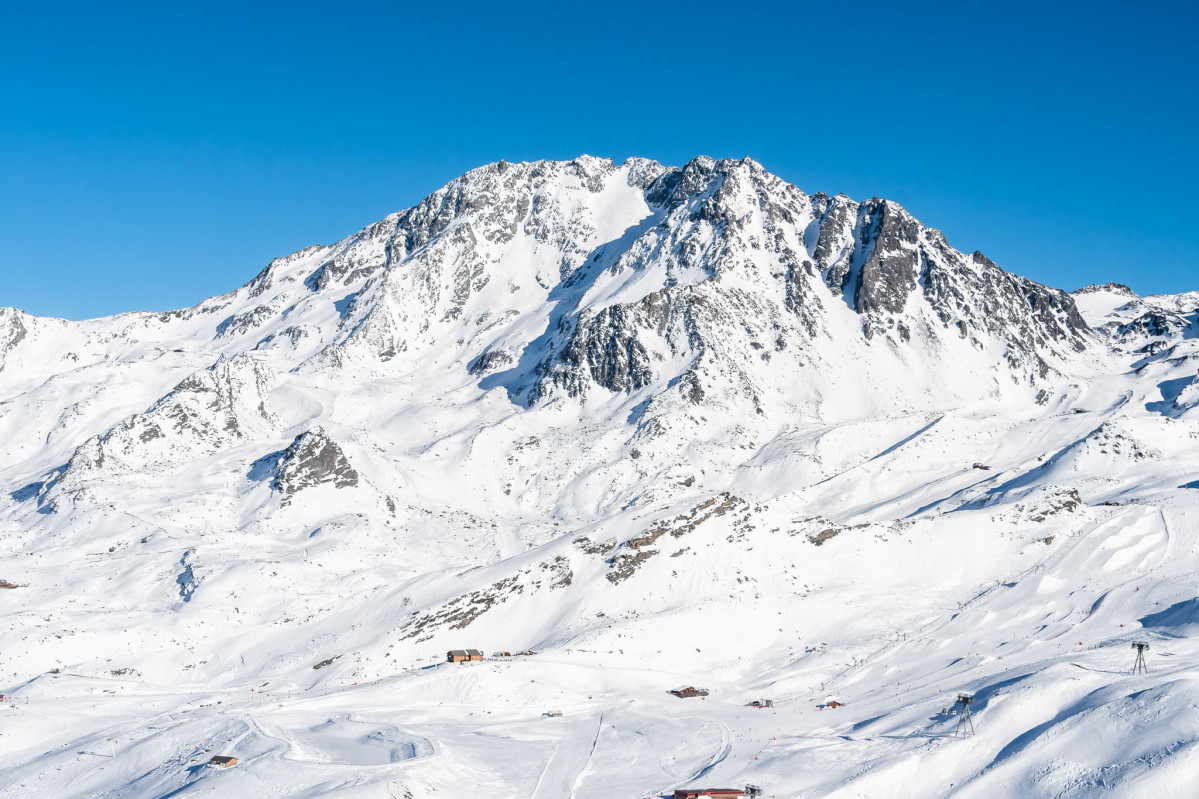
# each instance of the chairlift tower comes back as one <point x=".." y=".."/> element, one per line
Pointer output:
<point x="1140" y="667"/>
<point x="965" y="721"/>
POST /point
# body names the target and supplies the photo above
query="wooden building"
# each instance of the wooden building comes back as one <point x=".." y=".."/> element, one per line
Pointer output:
<point x="689" y="691"/>
<point x="696" y="793"/>
<point x="463" y="655"/>
<point x="224" y="761"/>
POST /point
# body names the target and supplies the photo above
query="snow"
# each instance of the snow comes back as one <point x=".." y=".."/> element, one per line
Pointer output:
<point x="1099" y="305"/>
<point x="813" y="527"/>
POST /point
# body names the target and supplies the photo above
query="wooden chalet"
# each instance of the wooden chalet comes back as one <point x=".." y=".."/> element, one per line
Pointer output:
<point x="689" y="691"/>
<point x="224" y="761"/>
<point x="463" y="655"/>
<point x="696" y="793"/>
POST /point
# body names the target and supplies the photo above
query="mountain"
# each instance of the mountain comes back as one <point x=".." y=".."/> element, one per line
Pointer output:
<point x="661" y="426"/>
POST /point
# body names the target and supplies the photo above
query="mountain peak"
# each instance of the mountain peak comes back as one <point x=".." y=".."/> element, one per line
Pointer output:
<point x="1110" y="288"/>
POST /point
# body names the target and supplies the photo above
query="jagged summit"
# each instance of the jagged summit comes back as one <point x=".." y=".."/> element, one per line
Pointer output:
<point x="1110" y="288"/>
<point x="630" y="266"/>
<point x="712" y="286"/>
<point x="634" y="265"/>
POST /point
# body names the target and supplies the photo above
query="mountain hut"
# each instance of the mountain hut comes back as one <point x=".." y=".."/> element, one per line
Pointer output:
<point x="463" y="655"/>
<point x="689" y="691"/>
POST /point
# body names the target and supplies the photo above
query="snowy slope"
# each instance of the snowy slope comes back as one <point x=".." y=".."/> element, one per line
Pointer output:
<point x="662" y="427"/>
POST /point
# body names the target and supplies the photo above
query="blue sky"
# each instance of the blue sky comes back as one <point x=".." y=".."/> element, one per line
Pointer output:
<point x="152" y="155"/>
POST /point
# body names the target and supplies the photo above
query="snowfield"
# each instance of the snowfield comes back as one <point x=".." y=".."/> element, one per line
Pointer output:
<point x="655" y="428"/>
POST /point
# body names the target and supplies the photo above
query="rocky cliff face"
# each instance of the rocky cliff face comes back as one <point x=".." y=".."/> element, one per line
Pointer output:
<point x="312" y="459"/>
<point x="619" y="299"/>
<point x="733" y="241"/>
<point x="12" y="331"/>
<point x="716" y="249"/>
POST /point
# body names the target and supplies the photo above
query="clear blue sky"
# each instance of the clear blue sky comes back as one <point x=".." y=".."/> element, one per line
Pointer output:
<point x="154" y="154"/>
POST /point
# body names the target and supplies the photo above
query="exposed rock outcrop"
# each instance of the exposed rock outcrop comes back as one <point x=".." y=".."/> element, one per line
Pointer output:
<point x="313" y="459"/>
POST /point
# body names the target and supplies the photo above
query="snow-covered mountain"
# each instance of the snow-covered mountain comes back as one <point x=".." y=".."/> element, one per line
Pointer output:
<point x="662" y="426"/>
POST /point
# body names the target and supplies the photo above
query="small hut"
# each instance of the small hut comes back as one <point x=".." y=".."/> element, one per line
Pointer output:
<point x="689" y="691"/>
<point x="463" y="655"/>
<point x="224" y="761"/>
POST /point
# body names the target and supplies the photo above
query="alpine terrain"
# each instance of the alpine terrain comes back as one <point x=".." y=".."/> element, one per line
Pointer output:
<point x="643" y="428"/>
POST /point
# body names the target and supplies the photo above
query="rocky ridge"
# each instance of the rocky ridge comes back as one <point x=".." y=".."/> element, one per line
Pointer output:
<point x="708" y="286"/>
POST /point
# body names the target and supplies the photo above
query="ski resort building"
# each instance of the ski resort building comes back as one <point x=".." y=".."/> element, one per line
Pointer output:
<point x="224" y="761"/>
<point x="689" y="691"/>
<point x="463" y="655"/>
<point x="695" y="793"/>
